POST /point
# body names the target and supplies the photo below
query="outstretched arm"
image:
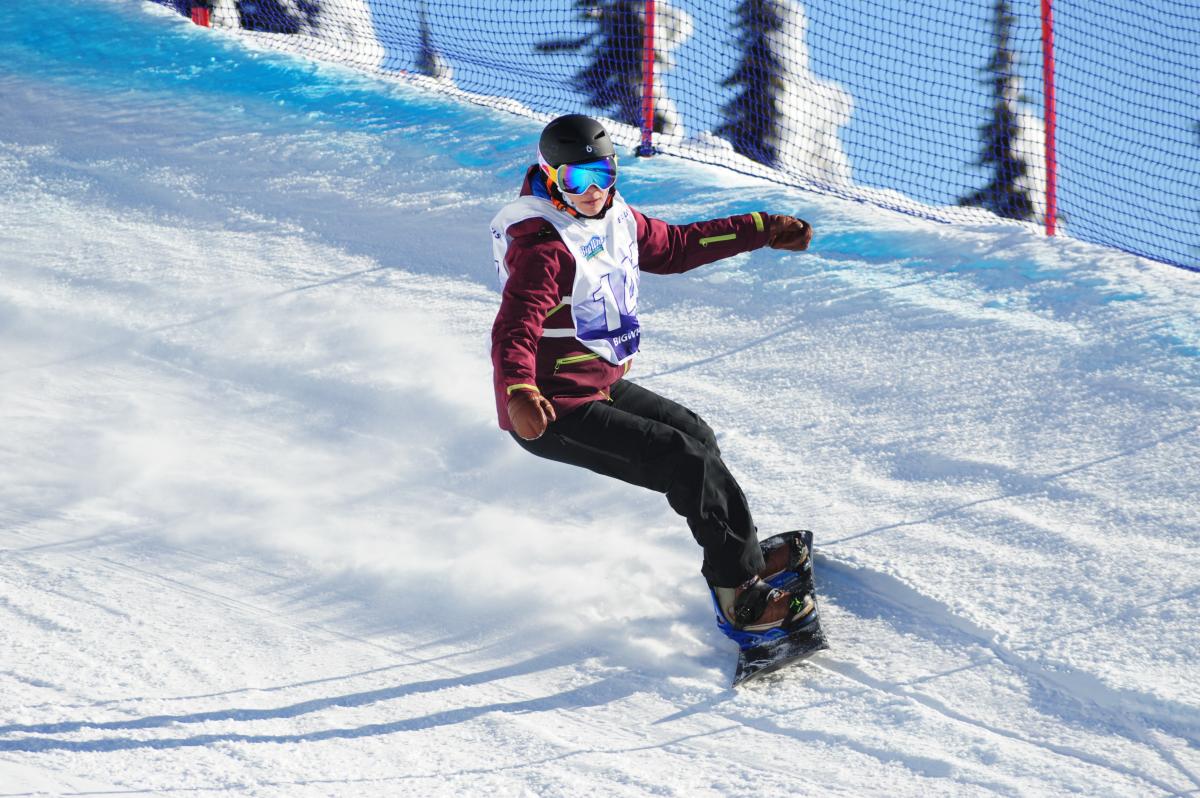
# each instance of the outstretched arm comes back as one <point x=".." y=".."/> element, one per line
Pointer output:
<point x="670" y="249"/>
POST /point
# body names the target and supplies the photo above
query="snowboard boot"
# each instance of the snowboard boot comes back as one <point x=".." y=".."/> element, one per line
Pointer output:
<point x="790" y="555"/>
<point x="755" y="606"/>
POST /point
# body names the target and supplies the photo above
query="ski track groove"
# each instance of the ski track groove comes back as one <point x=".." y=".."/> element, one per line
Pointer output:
<point x="888" y="589"/>
<point x="855" y="674"/>
<point x="895" y="592"/>
<point x="519" y="701"/>
<point x="1170" y="757"/>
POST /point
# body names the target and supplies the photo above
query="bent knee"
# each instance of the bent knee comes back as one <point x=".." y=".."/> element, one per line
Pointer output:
<point x="704" y="433"/>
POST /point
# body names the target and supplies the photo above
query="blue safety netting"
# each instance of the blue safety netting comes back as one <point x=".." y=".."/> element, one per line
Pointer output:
<point x="932" y="107"/>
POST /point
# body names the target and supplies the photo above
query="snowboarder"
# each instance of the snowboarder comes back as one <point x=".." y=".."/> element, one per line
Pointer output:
<point x="569" y="252"/>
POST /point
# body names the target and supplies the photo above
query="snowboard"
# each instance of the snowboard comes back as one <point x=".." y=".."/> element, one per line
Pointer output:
<point x="764" y="652"/>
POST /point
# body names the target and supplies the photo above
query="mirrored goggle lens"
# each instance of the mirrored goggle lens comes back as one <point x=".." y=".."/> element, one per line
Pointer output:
<point x="576" y="178"/>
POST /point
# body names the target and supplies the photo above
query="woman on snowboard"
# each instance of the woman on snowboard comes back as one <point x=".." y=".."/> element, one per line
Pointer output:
<point x="569" y="252"/>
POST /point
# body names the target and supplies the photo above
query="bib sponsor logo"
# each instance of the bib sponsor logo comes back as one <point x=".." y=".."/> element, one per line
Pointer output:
<point x="593" y="248"/>
<point x="627" y="337"/>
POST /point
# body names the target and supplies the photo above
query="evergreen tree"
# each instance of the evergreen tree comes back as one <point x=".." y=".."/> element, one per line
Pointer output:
<point x="785" y="115"/>
<point x="612" y="82"/>
<point x="429" y="61"/>
<point x="1007" y="193"/>
<point x="752" y="117"/>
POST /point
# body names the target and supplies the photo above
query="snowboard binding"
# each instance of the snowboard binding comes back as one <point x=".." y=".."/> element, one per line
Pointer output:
<point x="788" y="571"/>
<point x="785" y="552"/>
<point x="758" y="598"/>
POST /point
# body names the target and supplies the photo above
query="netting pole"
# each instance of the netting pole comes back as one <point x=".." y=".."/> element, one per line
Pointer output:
<point x="1051" y="119"/>
<point x="647" y="146"/>
<point x="201" y="14"/>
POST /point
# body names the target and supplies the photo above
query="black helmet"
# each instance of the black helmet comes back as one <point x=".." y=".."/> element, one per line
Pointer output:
<point x="572" y="139"/>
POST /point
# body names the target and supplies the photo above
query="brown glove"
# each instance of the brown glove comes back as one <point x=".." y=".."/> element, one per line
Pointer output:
<point x="530" y="413"/>
<point x="788" y="232"/>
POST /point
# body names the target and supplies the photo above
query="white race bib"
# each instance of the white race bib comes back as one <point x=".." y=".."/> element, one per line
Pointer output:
<point x="605" y="293"/>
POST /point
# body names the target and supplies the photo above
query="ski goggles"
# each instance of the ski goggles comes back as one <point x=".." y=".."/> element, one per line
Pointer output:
<point x="576" y="178"/>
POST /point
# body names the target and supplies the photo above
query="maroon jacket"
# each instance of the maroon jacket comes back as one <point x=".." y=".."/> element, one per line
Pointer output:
<point x="541" y="272"/>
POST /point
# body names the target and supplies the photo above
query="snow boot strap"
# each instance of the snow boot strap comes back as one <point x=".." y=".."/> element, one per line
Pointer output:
<point x="753" y="599"/>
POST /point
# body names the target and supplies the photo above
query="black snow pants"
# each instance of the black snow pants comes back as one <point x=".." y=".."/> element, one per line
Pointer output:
<point x="645" y="439"/>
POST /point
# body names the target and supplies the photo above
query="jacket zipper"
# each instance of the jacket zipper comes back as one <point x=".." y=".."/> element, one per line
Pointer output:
<point x="572" y="360"/>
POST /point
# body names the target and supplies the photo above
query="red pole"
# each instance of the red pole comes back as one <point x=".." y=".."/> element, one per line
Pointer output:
<point x="1051" y="117"/>
<point x="201" y="15"/>
<point x="647" y="147"/>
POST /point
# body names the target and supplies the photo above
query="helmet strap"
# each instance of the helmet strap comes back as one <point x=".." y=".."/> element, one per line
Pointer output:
<point x="558" y="200"/>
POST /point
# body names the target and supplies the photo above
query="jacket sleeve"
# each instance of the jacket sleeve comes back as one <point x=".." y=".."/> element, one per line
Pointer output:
<point x="670" y="249"/>
<point x="534" y="259"/>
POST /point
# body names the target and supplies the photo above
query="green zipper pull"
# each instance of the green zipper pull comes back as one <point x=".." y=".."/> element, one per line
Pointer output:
<point x="704" y="242"/>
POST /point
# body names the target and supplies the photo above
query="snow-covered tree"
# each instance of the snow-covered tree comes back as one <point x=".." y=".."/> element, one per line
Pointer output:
<point x="269" y="16"/>
<point x="1013" y="139"/>
<point x="429" y="60"/>
<point x="751" y="118"/>
<point x="612" y="81"/>
<point x="345" y="29"/>
<point x="784" y="115"/>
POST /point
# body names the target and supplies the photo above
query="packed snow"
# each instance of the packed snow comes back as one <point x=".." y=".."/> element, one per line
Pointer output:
<point x="260" y="534"/>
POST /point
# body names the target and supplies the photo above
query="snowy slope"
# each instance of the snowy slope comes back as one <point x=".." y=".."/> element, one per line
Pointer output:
<point x="259" y="534"/>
